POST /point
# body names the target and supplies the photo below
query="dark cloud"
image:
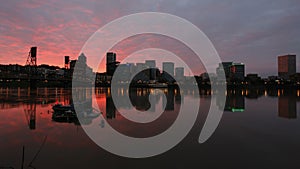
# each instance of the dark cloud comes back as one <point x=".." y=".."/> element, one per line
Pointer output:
<point x="254" y="32"/>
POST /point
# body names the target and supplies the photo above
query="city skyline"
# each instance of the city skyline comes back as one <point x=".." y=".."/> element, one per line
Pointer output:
<point x="243" y="31"/>
<point x="284" y="63"/>
<point x="151" y="83"/>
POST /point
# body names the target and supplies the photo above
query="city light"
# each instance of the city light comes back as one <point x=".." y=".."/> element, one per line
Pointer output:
<point x="237" y="110"/>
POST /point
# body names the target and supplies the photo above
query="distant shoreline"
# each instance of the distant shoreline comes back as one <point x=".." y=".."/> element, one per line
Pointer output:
<point x="24" y="84"/>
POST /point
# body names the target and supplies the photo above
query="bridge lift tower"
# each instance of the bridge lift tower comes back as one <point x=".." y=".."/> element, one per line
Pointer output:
<point x="31" y="59"/>
<point x="30" y="108"/>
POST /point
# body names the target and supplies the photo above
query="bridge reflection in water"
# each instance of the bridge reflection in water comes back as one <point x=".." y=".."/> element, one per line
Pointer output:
<point x="260" y="116"/>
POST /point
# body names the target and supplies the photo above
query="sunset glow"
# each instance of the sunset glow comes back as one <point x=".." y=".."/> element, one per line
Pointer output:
<point x="243" y="31"/>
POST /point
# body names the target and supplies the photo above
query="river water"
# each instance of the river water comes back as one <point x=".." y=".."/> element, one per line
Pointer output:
<point x="259" y="129"/>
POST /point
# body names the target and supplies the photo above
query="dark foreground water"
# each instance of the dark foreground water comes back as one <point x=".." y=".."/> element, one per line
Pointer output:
<point x="259" y="129"/>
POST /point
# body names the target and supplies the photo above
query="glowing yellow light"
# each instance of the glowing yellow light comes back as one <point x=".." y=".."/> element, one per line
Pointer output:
<point x="28" y="91"/>
<point x="122" y="92"/>
<point x="265" y="93"/>
<point x="108" y="92"/>
<point x="19" y="92"/>
<point x="139" y="92"/>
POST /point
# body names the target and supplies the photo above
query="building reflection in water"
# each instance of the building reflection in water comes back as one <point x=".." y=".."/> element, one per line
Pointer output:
<point x="41" y="100"/>
<point x="140" y="99"/>
<point x="169" y="99"/>
<point x="110" y="108"/>
<point x="235" y="100"/>
<point x="83" y="105"/>
<point x="287" y="100"/>
<point x="178" y="99"/>
<point x="287" y="107"/>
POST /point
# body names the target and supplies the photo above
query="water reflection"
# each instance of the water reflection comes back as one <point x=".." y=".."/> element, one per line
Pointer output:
<point x="287" y="107"/>
<point x="140" y="99"/>
<point x="30" y="113"/>
<point x="26" y="118"/>
<point x="110" y="108"/>
<point x="235" y="101"/>
<point x="32" y="99"/>
<point x="169" y="100"/>
<point x="287" y="100"/>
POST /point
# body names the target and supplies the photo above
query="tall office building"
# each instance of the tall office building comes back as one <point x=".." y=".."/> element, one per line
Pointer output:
<point x="226" y="67"/>
<point x="179" y="73"/>
<point x="82" y="59"/>
<point x="67" y="62"/>
<point x="150" y="63"/>
<point x="125" y="74"/>
<point x="168" y="71"/>
<point x="169" y="68"/>
<point x="83" y="72"/>
<point x="110" y="57"/>
<point x="111" y="63"/>
<point x="140" y="67"/>
<point x="286" y="66"/>
<point x="80" y="73"/>
<point x="152" y="69"/>
<point x="237" y="71"/>
<point x="141" y="73"/>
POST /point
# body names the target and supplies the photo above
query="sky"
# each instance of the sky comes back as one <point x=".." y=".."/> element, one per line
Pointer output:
<point x="252" y="32"/>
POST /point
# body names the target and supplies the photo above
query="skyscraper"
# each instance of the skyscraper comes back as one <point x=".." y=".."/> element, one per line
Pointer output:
<point x="168" y="71"/>
<point x="286" y="66"/>
<point x="80" y="73"/>
<point x="67" y="62"/>
<point x="152" y="69"/>
<point x="237" y="71"/>
<point x="111" y="63"/>
<point x="141" y="73"/>
<point x="82" y="59"/>
<point x="226" y="67"/>
<point x="140" y="67"/>
<point x="110" y="57"/>
<point x="169" y="68"/>
<point x="150" y="63"/>
<point x="124" y="72"/>
<point x="179" y="73"/>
